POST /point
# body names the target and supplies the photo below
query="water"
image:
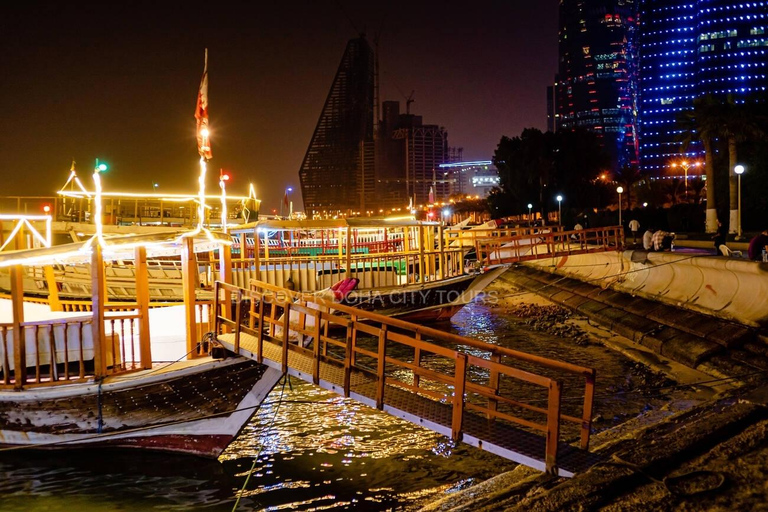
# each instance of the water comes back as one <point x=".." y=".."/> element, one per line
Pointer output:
<point x="313" y="450"/>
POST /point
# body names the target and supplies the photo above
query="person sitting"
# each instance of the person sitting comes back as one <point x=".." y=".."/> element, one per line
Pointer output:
<point x="757" y="245"/>
<point x="648" y="239"/>
<point x="719" y="236"/>
<point x="661" y="240"/>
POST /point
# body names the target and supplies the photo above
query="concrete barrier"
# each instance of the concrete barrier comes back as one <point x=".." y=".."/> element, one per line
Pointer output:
<point x="728" y="288"/>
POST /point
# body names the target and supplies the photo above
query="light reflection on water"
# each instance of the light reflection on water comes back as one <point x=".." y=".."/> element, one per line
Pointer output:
<point x="313" y="451"/>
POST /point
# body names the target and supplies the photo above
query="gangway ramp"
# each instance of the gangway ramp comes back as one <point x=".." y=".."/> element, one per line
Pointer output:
<point x="498" y="247"/>
<point x="460" y="387"/>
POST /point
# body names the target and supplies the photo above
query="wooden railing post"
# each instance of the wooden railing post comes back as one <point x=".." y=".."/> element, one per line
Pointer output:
<point x="238" y="319"/>
<point x="586" y="423"/>
<point x="348" y="357"/>
<point x="553" y="426"/>
<point x="381" y="367"/>
<point x="417" y="359"/>
<point x="19" y="343"/>
<point x="189" y="280"/>
<point x="215" y="307"/>
<point x="493" y="382"/>
<point x="458" y="396"/>
<point x="260" y="341"/>
<point x="316" y="348"/>
<point x="142" y="300"/>
<point x="98" y="291"/>
<point x="286" y="327"/>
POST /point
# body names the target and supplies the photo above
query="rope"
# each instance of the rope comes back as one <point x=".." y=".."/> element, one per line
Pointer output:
<point x="256" y="457"/>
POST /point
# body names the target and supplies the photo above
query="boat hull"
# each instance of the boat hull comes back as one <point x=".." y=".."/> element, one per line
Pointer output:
<point x="429" y="302"/>
<point x="197" y="409"/>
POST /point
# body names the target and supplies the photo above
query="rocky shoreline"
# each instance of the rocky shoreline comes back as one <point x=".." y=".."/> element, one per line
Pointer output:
<point x="703" y="454"/>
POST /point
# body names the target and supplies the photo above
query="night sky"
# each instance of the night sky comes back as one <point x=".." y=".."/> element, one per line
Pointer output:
<point x="119" y="83"/>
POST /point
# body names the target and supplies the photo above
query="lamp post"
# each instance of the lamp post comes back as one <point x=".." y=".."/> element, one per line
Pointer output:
<point x="620" y="190"/>
<point x="223" y="179"/>
<point x="530" y="206"/>
<point x="559" y="210"/>
<point x="685" y="165"/>
<point x="739" y="170"/>
<point x="285" y="199"/>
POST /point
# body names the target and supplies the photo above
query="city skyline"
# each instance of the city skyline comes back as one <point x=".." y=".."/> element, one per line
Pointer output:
<point x="88" y="81"/>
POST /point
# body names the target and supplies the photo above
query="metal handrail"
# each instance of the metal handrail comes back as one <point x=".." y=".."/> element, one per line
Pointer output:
<point x="265" y="323"/>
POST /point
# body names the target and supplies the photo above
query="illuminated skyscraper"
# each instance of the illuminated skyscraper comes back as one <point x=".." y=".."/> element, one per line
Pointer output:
<point x="596" y="84"/>
<point x="690" y="48"/>
<point x="337" y="173"/>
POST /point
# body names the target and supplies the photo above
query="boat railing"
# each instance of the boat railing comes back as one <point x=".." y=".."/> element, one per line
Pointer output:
<point x="380" y="270"/>
<point x="472" y="376"/>
<point x="61" y="350"/>
<point x="497" y="250"/>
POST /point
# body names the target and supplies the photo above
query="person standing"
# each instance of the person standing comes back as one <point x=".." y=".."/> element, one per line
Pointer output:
<point x="757" y="245"/>
<point x="634" y="226"/>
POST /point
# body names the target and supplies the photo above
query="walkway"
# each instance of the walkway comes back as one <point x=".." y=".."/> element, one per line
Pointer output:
<point x="388" y="364"/>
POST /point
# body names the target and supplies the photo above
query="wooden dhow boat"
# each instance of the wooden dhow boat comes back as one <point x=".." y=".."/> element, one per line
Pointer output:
<point x="402" y="266"/>
<point x="93" y="379"/>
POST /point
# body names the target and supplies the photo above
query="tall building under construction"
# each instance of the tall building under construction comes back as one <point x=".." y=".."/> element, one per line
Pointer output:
<point x="352" y="169"/>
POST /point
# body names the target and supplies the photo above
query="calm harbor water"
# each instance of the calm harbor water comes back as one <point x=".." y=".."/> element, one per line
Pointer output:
<point x="312" y="450"/>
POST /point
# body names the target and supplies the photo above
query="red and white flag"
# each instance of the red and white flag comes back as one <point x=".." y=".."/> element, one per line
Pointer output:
<point x="201" y="115"/>
<point x="431" y="196"/>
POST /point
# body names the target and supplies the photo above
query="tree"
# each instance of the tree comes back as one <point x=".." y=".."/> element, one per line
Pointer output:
<point x="704" y="123"/>
<point x="536" y="166"/>
<point x="738" y="124"/>
<point x="628" y="176"/>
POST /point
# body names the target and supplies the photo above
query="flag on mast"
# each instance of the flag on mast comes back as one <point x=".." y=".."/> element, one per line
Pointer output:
<point x="285" y="199"/>
<point x="201" y="115"/>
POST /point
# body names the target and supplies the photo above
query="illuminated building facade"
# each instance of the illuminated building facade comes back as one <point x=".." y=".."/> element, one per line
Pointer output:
<point x="470" y="178"/>
<point x="691" y="48"/>
<point x="337" y="173"/>
<point x="596" y="84"/>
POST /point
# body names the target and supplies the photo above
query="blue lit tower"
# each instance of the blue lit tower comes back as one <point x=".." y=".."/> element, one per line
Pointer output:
<point x="732" y="49"/>
<point x="667" y="80"/>
<point x="596" y="84"/>
<point x="690" y="48"/>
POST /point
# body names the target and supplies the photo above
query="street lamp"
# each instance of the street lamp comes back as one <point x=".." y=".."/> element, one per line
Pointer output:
<point x="223" y="179"/>
<point x="559" y="210"/>
<point x="739" y="170"/>
<point x="285" y="200"/>
<point x="154" y="186"/>
<point x="529" y="214"/>
<point x="685" y="165"/>
<point x="620" y="190"/>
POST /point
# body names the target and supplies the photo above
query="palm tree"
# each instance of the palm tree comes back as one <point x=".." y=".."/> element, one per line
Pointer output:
<point x="704" y="123"/>
<point x="738" y="124"/>
<point x="628" y="176"/>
